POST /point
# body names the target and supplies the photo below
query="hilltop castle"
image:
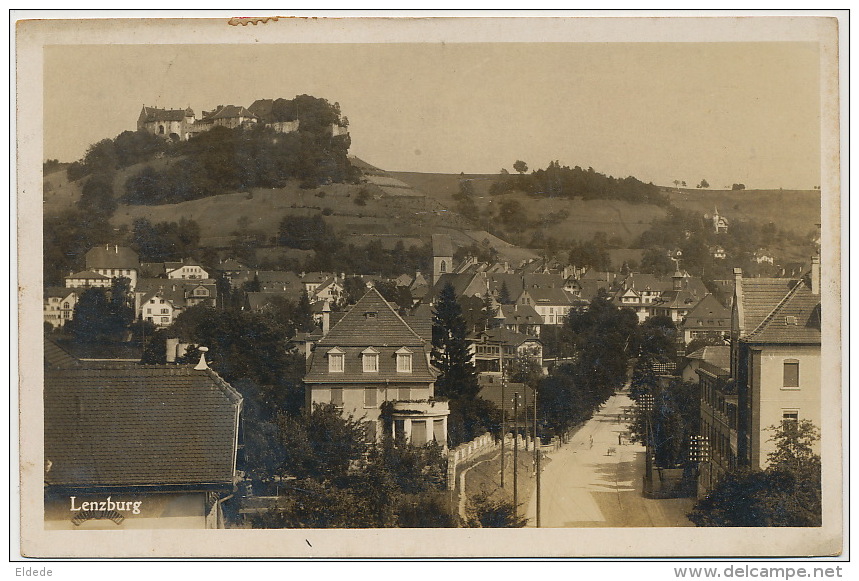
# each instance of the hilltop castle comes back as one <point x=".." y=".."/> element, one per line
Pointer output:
<point x="182" y="124"/>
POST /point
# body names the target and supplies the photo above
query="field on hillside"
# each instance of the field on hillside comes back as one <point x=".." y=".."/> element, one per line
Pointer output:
<point x="60" y="194"/>
<point x="381" y="216"/>
<point x="400" y="214"/>
<point x="584" y="218"/>
<point x="792" y="210"/>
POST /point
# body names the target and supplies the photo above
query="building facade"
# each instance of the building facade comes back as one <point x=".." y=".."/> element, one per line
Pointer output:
<point x="775" y="357"/>
<point x="371" y="357"/>
<point x="131" y="446"/>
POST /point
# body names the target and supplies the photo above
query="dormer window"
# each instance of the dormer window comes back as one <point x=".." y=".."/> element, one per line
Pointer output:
<point x="335" y="360"/>
<point x="370" y="359"/>
<point x="370" y="315"/>
<point x="404" y="360"/>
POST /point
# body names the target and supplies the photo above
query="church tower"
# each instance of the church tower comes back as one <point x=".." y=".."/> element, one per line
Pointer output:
<point x="442" y="256"/>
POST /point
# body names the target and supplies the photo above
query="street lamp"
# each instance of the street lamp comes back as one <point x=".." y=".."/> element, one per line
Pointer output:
<point x="646" y="403"/>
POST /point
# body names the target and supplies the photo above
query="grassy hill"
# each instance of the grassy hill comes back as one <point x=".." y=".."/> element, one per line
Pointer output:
<point x="392" y="212"/>
<point x="409" y="207"/>
<point x="793" y="210"/>
<point x="585" y="217"/>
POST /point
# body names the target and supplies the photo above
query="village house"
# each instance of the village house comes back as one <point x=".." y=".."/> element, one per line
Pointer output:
<point x="717" y="252"/>
<point x="720" y="223"/>
<point x="518" y="318"/>
<point x="715" y="354"/>
<point x="313" y="280"/>
<point x="708" y="319"/>
<point x="648" y="295"/>
<point x="419" y="286"/>
<point x="491" y="350"/>
<point x="113" y="261"/>
<point x="641" y="292"/>
<point x="762" y="255"/>
<point x="160" y="307"/>
<point x="370" y="357"/>
<point x="160" y="300"/>
<point x="594" y="281"/>
<point x="185" y="270"/>
<point x="331" y="289"/>
<point x="131" y="446"/>
<point x="59" y="305"/>
<point x="88" y="279"/>
<point x="552" y="304"/>
<point x="229" y="268"/>
<point x="466" y="284"/>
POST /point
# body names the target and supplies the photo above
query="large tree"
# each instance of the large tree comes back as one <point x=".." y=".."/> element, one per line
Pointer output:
<point x="104" y="314"/>
<point x="602" y="336"/>
<point x="450" y="352"/>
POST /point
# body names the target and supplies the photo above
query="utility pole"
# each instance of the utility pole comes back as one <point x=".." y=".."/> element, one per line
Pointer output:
<point x="516" y="452"/>
<point x="537" y="457"/>
<point x="503" y="413"/>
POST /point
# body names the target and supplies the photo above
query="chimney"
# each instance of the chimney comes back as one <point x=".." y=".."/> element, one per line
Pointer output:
<point x="815" y="275"/>
<point x="202" y="365"/>
<point x="326" y="318"/>
<point x="738" y="281"/>
<point x="172" y="346"/>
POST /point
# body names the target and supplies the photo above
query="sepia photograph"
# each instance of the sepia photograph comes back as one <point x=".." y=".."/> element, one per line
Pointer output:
<point x="364" y="287"/>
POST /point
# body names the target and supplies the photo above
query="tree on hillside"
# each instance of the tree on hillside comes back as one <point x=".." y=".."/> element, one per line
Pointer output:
<point x="520" y="166"/>
<point x="513" y="214"/>
<point x="738" y="186"/>
<point x="450" y="353"/>
<point x="656" y="261"/>
<point x="703" y="184"/>
<point x="97" y="195"/>
<point x="362" y="197"/>
<point x="591" y="254"/>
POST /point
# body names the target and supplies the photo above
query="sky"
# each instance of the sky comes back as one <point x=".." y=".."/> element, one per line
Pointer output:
<point x="726" y="112"/>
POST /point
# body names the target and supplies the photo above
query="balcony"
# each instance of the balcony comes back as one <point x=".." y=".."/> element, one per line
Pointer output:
<point x="430" y="408"/>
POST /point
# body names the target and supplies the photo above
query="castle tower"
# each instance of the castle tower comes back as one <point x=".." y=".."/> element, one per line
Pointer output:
<point x="442" y="256"/>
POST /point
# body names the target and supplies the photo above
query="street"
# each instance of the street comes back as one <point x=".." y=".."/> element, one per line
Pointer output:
<point x="593" y="481"/>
